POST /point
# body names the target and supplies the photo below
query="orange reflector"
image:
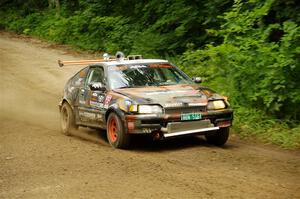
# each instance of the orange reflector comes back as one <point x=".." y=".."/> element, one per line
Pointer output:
<point x="225" y="123"/>
<point x="130" y="126"/>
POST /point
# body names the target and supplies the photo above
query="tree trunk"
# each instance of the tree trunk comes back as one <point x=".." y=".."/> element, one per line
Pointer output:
<point x="54" y="4"/>
<point x="50" y="4"/>
<point x="57" y="5"/>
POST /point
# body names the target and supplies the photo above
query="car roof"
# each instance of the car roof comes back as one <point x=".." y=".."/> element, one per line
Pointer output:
<point x="129" y="62"/>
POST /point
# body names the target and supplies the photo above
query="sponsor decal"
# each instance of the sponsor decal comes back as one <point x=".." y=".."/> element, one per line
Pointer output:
<point x="82" y="98"/>
<point x="96" y="104"/>
<point x="107" y="101"/>
<point x="125" y="67"/>
<point x="87" y="115"/>
<point x="123" y="104"/>
<point x="97" y="100"/>
<point x="101" y="98"/>
<point x="127" y="102"/>
<point x="94" y="97"/>
<point x="160" y="66"/>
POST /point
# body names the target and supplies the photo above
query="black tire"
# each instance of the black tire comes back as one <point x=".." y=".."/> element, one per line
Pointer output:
<point x="116" y="132"/>
<point x="67" y="119"/>
<point x="219" y="138"/>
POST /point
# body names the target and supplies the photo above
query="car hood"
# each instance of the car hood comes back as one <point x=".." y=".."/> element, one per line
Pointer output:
<point x="170" y="96"/>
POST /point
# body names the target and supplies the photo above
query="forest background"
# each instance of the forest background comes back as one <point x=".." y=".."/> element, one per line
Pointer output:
<point x="246" y="50"/>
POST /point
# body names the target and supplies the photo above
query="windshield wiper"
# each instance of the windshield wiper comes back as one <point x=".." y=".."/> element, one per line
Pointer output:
<point x="152" y="84"/>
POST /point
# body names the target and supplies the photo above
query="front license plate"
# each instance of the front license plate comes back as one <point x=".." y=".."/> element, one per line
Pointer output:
<point x="191" y="116"/>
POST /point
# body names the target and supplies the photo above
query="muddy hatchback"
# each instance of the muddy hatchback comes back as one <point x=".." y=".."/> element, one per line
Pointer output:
<point x="132" y="95"/>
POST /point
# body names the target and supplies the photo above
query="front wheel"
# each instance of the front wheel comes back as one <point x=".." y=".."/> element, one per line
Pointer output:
<point x="219" y="138"/>
<point x="116" y="133"/>
<point x="67" y="119"/>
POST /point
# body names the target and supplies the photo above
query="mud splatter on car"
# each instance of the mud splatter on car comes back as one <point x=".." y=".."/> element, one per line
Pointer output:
<point x="143" y="96"/>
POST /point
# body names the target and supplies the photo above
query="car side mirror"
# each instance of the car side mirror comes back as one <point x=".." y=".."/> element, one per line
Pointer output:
<point x="197" y="79"/>
<point x="97" y="86"/>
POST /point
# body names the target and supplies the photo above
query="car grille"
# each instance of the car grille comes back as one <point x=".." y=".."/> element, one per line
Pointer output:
<point x="179" y="110"/>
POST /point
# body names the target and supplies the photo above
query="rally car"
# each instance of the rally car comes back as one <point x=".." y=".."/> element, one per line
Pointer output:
<point x="132" y="95"/>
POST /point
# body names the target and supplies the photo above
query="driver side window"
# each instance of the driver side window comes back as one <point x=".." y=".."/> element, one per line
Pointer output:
<point x="96" y="75"/>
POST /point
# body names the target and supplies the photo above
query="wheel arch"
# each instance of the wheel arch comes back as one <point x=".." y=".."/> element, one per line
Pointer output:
<point x="64" y="100"/>
<point x="115" y="110"/>
<point x="123" y="140"/>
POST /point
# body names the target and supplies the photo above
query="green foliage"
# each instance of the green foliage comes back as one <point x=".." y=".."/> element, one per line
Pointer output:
<point x="153" y="28"/>
<point x="173" y="25"/>
<point x="89" y="33"/>
<point x="253" y="70"/>
<point x="258" y="67"/>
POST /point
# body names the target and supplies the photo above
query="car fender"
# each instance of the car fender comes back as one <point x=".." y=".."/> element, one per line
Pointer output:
<point x="115" y="108"/>
<point x="63" y="101"/>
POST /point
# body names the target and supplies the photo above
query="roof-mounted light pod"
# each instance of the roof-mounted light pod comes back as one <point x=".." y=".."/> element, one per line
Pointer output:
<point x="120" y="56"/>
<point x="106" y="56"/>
<point x="134" y="57"/>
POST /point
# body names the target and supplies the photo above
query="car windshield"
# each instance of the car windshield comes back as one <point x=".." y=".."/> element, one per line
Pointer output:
<point x="141" y="75"/>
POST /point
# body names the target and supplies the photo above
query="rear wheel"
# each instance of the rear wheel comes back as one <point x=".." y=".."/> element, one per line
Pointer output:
<point x="116" y="133"/>
<point x="67" y="119"/>
<point x="219" y="138"/>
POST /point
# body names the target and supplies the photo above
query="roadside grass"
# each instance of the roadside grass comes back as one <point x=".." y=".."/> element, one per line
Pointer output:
<point x="249" y="123"/>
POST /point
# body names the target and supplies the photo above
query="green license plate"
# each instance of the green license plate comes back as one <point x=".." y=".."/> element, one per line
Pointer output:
<point x="191" y="116"/>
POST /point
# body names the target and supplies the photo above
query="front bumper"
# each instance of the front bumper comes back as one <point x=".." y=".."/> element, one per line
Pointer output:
<point x="171" y="125"/>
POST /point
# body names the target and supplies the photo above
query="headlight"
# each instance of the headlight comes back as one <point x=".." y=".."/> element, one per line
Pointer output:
<point x="149" y="109"/>
<point x="217" y="104"/>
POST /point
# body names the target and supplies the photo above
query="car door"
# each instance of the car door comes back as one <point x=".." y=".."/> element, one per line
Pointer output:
<point x="90" y="102"/>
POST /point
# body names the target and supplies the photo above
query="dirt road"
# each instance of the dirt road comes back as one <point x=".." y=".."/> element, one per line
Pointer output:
<point x="37" y="161"/>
